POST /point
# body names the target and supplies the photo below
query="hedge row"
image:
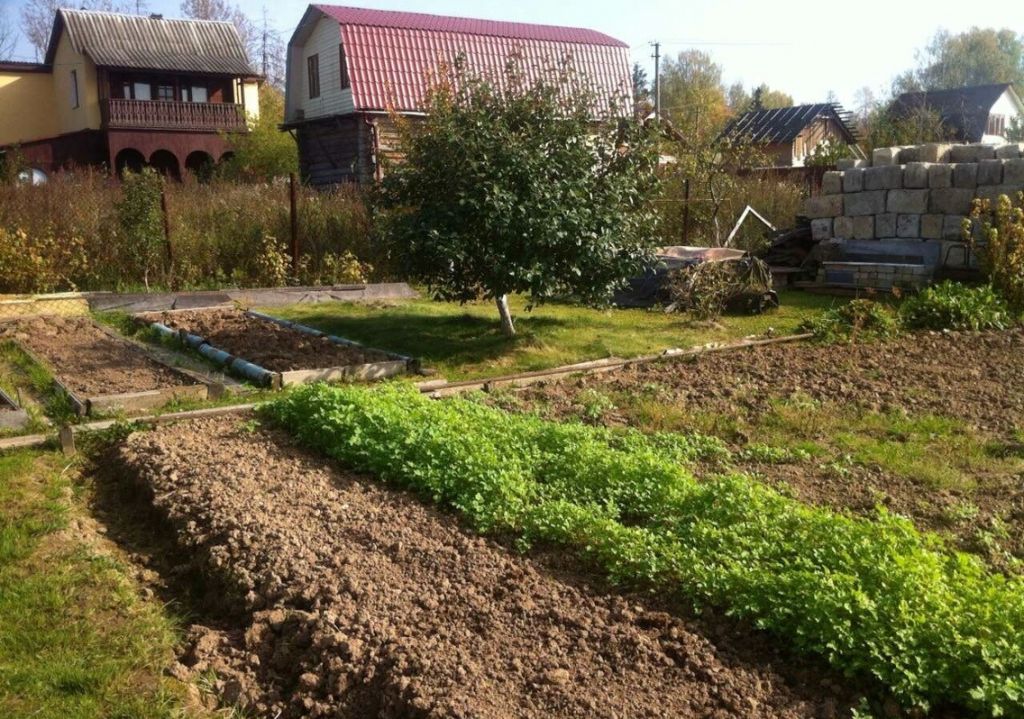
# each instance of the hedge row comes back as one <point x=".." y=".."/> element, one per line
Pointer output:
<point x="875" y="597"/>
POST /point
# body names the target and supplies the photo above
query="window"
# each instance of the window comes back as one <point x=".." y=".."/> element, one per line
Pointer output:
<point x="996" y="125"/>
<point x="165" y="93"/>
<point x="74" y="88"/>
<point x="343" y="68"/>
<point x="141" y="91"/>
<point x="194" y="93"/>
<point x="313" y="73"/>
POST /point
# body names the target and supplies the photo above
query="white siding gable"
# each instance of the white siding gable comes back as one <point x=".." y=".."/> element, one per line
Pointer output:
<point x="323" y="40"/>
<point x="1007" y="106"/>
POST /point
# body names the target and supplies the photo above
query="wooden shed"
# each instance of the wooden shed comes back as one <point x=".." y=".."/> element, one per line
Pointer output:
<point x="350" y="68"/>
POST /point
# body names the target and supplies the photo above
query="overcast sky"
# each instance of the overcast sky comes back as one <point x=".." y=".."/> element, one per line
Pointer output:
<point x="803" y="48"/>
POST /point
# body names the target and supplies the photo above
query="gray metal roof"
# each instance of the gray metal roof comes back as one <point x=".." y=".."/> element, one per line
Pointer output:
<point x="152" y="43"/>
<point x="963" y="110"/>
<point x="784" y="124"/>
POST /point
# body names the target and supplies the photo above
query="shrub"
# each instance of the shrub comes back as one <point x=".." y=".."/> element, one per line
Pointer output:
<point x="874" y="597"/>
<point x="1001" y="246"/>
<point x="141" y="221"/>
<point x="951" y="305"/>
<point x="858" y="319"/>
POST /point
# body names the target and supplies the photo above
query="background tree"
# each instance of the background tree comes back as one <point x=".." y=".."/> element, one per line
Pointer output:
<point x="8" y="38"/>
<point x="270" y="53"/>
<point x="641" y="88"/>
<point x="37" y="17"/>
<point x="692" y="95"/>
<point x="979" y="56"/>
<point x="264" y="152"/>
<point x="509" y="186"/>
<point x="224" y="10"/>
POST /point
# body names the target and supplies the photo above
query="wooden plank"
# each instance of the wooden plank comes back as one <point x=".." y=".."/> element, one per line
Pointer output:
<point x="130" y="401"/>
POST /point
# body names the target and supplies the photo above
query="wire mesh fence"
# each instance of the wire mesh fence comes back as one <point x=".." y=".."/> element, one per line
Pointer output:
<point x="63" y="303"/>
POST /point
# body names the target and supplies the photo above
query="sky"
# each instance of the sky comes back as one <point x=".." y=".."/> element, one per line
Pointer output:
<point x="806" y="49"/>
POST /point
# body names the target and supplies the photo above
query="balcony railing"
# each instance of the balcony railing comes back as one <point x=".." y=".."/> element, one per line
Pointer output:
<point x="165" y="115"/>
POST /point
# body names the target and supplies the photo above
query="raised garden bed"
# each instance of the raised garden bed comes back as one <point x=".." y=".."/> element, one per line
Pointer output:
<point x="272" y="352"/>
<point x="97" y="369"/>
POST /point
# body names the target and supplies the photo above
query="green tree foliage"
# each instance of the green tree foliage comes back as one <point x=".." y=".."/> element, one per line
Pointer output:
<point x="979" y="56"/>
<point x="641" y="88"/>
<point x="265" y="152"/>
<point x="881" y="127"/>
<point x="692" y="95"/>
<point x="508" y="185"/>
<point x="141" y="220"/>
<point x="740" y="100"/>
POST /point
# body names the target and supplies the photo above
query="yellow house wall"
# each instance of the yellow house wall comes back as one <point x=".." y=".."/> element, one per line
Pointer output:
<point x="251" y="93"/>
<point x="87" y="115"/>
<point x="27" y="109"/>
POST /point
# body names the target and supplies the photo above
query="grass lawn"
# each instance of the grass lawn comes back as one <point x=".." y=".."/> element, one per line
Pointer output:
<point x="77" y="640"/>
<point x="465" y="341"/>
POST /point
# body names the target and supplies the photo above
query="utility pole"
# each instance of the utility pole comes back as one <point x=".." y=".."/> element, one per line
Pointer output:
<point x="657" y="80"/>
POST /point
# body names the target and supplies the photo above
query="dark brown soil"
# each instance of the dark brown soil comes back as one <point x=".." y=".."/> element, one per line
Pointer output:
<point x="86" y="359"/>
<point x="974" y="377"/>
<point x="267" y="344"/>
<point x="367" y="603"/>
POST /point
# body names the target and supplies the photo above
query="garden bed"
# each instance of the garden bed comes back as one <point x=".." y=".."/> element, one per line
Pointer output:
<point x="282" y="352"/>
<point x="97" y="369"/>
<point x="930" y="426"/>
<point x="356" y="600"/>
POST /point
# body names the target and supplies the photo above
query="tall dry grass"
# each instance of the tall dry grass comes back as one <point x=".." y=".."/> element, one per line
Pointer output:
<point x="66" y="235"/>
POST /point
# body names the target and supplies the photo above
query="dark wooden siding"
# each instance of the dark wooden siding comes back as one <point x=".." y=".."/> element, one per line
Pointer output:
<point x="336" y="150"/>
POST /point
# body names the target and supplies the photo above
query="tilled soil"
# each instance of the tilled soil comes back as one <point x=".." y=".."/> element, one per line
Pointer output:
<point x="86" y="359"/>
<point x="974" y="377"/>
<point x="267" y="344"/>
<point x="977" y="377"/>
<point x="365" y="602"/>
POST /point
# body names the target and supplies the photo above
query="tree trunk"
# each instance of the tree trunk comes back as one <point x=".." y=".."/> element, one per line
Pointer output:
<point x="506" y="317"/>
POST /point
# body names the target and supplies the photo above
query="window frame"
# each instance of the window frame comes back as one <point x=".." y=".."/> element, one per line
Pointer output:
<point x="313" y="75"/>
<point x="76" y="100"/>
<point x="346" y="84"/>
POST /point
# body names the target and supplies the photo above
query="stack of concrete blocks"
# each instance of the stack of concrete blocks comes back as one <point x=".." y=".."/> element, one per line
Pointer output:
<point x="907" y="195"/>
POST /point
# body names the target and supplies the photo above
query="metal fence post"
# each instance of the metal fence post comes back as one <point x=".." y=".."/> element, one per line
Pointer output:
<point x="292" y="190"/>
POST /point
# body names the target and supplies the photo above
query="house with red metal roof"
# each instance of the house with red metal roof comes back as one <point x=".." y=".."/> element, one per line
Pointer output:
<point x="349" y="69"/>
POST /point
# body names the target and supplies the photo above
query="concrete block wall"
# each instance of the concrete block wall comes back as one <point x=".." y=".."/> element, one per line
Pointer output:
<point x="922" y="192"/>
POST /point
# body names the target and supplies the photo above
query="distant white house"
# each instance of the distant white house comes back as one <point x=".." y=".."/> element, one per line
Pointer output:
<point x="975" y="114"/>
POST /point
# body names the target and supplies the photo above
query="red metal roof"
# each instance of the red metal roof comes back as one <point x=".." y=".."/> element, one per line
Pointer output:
<point x="391" y="54"/>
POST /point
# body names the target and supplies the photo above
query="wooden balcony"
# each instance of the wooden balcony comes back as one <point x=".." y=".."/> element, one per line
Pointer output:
<point x="165" y="115"/>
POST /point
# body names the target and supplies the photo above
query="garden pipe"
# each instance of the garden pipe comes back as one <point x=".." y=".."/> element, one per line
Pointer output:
<point x="164" y="331"/>
<point x="193" y="341"/>
<point x="216" y="355"/>
<point x="252" y="371"/>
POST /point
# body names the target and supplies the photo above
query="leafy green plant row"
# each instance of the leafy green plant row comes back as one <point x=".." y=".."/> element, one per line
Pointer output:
<point x="945" y="306"/>
<point x="875" y="597"/>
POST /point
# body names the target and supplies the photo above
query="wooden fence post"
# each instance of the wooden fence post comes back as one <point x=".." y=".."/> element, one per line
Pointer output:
<point x="167" y="222"/>
<point x="292" y="190"/>
<point x="686" y="212"/>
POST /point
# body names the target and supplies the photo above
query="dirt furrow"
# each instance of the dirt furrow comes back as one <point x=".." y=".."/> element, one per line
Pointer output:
<point x="361" y="601"/>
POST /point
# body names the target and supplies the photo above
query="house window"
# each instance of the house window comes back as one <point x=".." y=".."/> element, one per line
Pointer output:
<point x="343" y="68"/>
<point x="141" y="91"/>
<point x="74" y="88"/>
<point x="313" y="72"/>
<point x="165" y="93"/>
<point x="194" y="93"/>
<point x="996" y="125"/>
